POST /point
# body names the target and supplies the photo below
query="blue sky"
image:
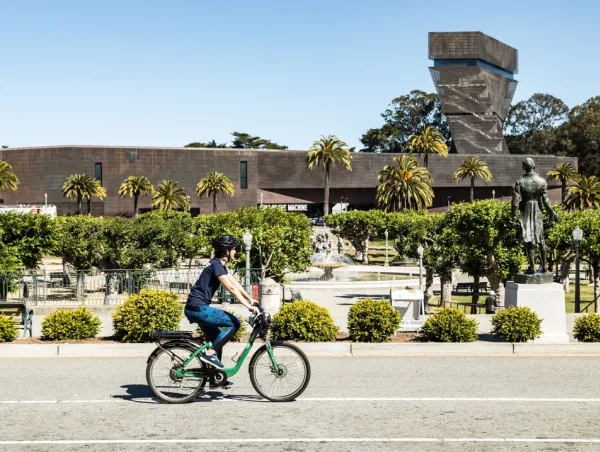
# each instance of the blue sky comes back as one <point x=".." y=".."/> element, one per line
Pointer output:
<point x="157" y="73"/>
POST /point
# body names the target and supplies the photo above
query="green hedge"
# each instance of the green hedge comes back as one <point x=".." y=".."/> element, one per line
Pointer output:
<point x="450" y="325"/>
<point x="587" y="328"/>
<point x="8" y="329"/>
<point x="148" y="311"/>
<point x="304" y="321"/>
<point x="64" y="324"/>
<point x="372" y="320"/>
<point x="516" y="324"/>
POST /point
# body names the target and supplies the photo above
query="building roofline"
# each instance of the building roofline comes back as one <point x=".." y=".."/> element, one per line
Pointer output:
<point x="83" y="146"/>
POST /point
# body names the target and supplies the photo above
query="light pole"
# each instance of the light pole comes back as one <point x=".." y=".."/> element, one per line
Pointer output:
<point x="493" y="194"/>
<point x="45" y="199"/>
<point x="247" y="245"/>
<point x="420" y="253"/>
<point x="448" y="199"/>
<point x="577" y="237"/>
<point x="387" y="264"/>
<point x="261" y="199"/>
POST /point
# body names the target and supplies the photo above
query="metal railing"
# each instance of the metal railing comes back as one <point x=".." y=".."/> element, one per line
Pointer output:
<point x="99" y="287"/>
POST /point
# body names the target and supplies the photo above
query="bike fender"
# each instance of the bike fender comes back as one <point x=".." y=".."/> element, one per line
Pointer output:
<point x="175" y="343"/>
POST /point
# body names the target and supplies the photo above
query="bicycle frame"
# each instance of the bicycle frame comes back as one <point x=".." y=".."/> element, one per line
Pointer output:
<point x="229" y="371"/>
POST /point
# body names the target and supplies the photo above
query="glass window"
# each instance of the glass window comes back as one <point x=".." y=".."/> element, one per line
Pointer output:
<point x="99" y="172"/>
<point x="243" y="175"/>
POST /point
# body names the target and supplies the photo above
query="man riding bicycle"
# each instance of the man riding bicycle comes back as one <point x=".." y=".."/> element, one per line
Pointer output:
<point x="211" y="320"/>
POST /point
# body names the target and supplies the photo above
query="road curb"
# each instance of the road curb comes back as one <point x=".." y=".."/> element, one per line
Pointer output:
<point x="336" y="349"/>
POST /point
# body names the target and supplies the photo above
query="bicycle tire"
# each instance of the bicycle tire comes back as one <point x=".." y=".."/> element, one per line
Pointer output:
<point x="152" y="360"/>
<point x="258" y="388"/>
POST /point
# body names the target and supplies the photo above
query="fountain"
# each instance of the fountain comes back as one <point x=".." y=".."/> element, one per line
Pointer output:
<point x="329" y="261"/>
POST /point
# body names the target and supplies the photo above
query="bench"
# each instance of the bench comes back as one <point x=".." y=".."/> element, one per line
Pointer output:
<point x="180" y="286"/>
<point x="467" y="288"/>
<point x="21" y="314"/>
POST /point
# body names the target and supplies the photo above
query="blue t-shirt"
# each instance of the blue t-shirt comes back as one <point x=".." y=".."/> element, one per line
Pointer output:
<point x="207" y="284"/>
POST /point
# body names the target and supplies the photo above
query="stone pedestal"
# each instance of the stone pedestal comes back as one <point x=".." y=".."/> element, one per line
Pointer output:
<point x="548" y="301"/>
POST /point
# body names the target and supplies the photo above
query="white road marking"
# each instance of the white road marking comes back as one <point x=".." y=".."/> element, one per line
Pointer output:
<point x="326" y="399"/>
<point x="302" y="440"/>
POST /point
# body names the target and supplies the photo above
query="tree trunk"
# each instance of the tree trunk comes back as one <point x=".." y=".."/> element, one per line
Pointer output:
<point x="80" y="290"/>
<point x="596" y="268"/>
<point x="472" y="189"/>
<point x="79" y="201"/>
<point x="563" y="192"/>
<point x="426" y="160"/>
<point x="475" y="296"/>
<point x="135" y="206"/>
<point x="214" y="203"/>
<point x="4" y="282"/>
<point x="565" y="268"/>
<point x="365" y="253"/>
<point x="326" y="197"/>
<point x="428" y="286"/>
<point x="497" y="285"/>
<point x="446" y="281"/>
<point x="110" y="295"/>
<point x="89" y="206"/>
<point x="66" y="278"/>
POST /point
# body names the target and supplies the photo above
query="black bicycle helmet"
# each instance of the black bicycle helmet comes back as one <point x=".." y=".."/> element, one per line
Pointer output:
<point x="224" y="243"/>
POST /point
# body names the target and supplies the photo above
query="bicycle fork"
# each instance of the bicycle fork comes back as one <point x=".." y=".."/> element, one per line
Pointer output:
<point x="272" y="356"/>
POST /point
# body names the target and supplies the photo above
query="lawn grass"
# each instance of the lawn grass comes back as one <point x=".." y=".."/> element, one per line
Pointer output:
<point x="587" y="297"/>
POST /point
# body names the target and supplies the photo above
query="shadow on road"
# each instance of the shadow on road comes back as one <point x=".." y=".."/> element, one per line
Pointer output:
<point x="141" y="394"/>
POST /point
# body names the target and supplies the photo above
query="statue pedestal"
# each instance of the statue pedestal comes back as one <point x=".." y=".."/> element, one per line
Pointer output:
<point x="548" y="301"/>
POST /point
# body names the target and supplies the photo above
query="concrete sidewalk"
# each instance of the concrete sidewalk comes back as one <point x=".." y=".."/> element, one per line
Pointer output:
<point x="334" y="349"/>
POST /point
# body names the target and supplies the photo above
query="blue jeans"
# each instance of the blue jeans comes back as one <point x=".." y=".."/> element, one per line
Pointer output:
<point x="218" y="326"/>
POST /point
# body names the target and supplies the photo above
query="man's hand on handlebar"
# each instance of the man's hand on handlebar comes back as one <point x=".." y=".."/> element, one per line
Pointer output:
<point x="255" y="306"/>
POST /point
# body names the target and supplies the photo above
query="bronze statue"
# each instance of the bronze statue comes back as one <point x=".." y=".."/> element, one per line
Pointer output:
<point x="530" y="193"/>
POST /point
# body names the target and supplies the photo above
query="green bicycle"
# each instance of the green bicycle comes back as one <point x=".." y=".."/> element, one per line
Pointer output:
<point x="279" y="371"/>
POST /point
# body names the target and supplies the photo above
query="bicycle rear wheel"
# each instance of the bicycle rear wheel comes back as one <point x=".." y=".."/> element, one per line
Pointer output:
<point x="286" y="383"/>
<point x="161" y="378"/>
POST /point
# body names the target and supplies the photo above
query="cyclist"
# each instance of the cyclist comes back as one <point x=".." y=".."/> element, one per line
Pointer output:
<point x="211" y="320"/>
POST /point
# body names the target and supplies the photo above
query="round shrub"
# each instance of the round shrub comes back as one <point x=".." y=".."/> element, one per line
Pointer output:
<point x="143" y="313"/>
<point x="516" y="324"/>
<point x="305" y="321"/>
<point x="372" y="320"/>
<point x="587" y="328"/>
<point x="64" y="324"/>
<point x="237" y="337"/>
<point x="8" y="329"/>
<point x="450" y="325"/>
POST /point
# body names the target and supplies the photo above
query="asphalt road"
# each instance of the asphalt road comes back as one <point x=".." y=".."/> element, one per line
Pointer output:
<point x="351" y="404"/>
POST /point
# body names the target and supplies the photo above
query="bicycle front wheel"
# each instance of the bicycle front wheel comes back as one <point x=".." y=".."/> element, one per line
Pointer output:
<point x="288" y="380"/>
<point x="161" y="378"/>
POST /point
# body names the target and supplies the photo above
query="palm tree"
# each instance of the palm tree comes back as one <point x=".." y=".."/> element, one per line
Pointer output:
<point x="135" y="186"/>
<point x="473" y="167"/>
<point x="565" y="173"/>
<point x="585" y="194"/>
<point x="428" y="141"/>
<point x="328" y="151"/>
<point x="79" y="186"/>
<point x="8" y="179"/>
<point x="97" y="192"/>
<point x="407" y="186"/>
<point x="170" y="196"/>
<point x="213" y="184"/>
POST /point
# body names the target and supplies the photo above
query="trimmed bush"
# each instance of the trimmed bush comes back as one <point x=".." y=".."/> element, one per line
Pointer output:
<point x="516" y="324"/>
<point x="450" y="325"/>
<point x="372" y="320"/>
<point x="8" y="329"/>
<point x="237" y="337"/>
<point x="143" y="313"/>
<point x="587" y="328"/>
<point x="305" y="321"/>
<point x="64" y="324"/>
